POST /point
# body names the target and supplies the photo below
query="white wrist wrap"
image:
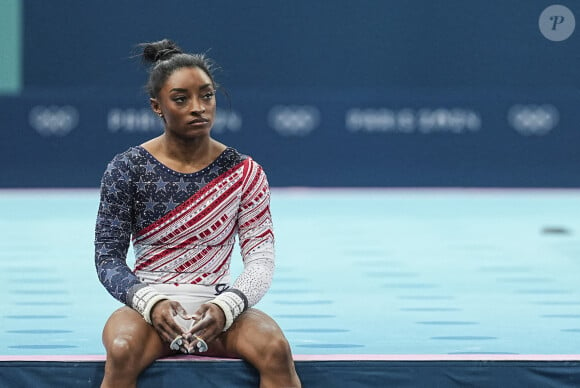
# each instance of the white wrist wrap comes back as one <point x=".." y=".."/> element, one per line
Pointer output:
<point x="143" y="301"/>
<point x="231" y="304"/>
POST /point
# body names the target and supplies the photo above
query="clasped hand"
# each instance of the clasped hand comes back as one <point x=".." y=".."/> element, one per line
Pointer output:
<point x="172" y="321"/>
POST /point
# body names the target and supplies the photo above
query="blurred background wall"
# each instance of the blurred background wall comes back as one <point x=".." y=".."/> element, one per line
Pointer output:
<point x="386" y="93"/>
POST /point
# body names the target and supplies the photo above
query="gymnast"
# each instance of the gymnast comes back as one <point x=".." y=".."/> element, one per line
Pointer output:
<point x="181" y="198"/>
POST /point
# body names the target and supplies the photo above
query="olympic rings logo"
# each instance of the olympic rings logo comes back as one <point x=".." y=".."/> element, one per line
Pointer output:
<point x="53" y="120"/>
<point x="294" y="120"/>
<point x="529" y="120"/>
<point x="227" y="121"/>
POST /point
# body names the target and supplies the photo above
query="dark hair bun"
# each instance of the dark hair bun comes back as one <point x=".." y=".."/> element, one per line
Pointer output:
<point x="159" y="51"/>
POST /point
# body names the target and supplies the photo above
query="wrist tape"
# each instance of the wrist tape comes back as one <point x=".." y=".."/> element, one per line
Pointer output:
<point x="233" y="303"/>
<point x="143" y="301"/>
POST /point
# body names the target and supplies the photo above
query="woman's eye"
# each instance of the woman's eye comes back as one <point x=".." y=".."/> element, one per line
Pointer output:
<point x="179" y="99"/>
<point x="208" y="96"/>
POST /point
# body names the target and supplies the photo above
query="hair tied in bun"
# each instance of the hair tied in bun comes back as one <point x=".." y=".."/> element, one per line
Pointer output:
<point x="154" y="52"/>
<point x="164" y="57"/>
<point x="166" y="54"/>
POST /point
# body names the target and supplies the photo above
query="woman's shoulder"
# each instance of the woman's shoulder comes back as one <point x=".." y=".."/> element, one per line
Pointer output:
<point x="231" y="157"/>
<point x="131" y="156"/>
<point x="238" y="158"/>
<point x="123" y="164"/>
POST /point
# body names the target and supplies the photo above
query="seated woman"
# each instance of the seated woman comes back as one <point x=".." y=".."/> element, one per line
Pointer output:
<point x="182" y="198"/>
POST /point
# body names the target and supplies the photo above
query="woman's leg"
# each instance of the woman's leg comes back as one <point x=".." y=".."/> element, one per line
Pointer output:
<point x="132" y="345"/>
<point x="256" y="338"/>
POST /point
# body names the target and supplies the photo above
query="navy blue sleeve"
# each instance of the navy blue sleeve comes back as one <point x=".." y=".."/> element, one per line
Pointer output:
<point x="113" y="230"/>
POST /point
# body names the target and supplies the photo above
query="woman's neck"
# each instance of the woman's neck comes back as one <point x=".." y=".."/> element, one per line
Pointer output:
<point x="184" y="156"/>
<point x="186" y="151"/>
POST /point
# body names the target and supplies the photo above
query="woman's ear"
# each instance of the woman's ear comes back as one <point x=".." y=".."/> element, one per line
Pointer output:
<point x="155" y="107"/>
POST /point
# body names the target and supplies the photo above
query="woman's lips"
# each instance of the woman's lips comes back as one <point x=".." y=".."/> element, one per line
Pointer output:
<point x="198" y="122"/>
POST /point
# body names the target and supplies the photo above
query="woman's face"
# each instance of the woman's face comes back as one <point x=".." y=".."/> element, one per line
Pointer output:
<point x="187" y="103"/>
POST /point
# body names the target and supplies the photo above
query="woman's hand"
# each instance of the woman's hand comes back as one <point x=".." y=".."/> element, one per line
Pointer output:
<point x="209" y="323"/>
<point x="163" y="318"/>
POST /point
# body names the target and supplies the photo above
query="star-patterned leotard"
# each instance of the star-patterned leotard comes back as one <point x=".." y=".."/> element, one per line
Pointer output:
<point x="183" y="225"/>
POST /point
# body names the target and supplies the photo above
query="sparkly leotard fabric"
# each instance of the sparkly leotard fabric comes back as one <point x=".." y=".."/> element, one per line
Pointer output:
<point x="183" y="226"/>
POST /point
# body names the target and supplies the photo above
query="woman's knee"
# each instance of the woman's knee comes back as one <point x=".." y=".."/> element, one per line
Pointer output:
<point x="270" y="348"/>
<point x="122" y="352"/>
<point x="276" y="351"/>
<point x="257" y="338"/>
<point x="128" y="340"/>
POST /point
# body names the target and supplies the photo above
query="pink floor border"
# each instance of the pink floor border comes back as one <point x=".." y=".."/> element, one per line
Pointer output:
<point x="329" y="357"/>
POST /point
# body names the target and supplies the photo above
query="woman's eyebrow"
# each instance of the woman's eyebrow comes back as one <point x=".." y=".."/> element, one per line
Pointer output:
<point x="183" y="90"/>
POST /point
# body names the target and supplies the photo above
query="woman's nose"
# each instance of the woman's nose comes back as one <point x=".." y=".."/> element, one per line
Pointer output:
<point x="197" y="107"/>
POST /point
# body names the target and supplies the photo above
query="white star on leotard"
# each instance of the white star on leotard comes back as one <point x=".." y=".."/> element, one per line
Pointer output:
<point x="149" y="167"/>
<point x="160" y="184"/>
<point x="182" y="185"/>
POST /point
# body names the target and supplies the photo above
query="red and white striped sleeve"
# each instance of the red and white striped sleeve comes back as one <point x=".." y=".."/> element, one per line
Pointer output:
<point x="256" y="235"/>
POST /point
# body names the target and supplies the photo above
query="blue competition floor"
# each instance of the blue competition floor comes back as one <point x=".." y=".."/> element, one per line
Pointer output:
<point x="359" y="272"/>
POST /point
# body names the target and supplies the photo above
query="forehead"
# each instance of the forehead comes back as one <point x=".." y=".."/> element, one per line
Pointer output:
<point x="188" y="78"/>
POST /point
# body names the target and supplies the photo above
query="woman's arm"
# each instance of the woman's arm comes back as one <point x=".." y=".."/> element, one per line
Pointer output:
<point x="112" y="239"/>
<point x="257" y="247"/>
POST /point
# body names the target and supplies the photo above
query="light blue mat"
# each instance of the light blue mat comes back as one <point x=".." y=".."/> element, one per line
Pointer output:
<point x="359" y="272"/>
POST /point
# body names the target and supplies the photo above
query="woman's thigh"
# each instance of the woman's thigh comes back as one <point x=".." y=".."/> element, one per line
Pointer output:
<point x="251" y="337"/>
<point x="126" y="331"/>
